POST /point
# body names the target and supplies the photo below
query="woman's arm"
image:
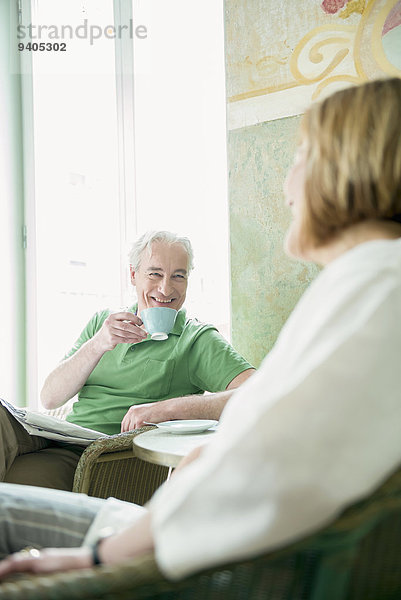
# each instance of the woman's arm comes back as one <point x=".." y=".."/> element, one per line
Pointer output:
<point x="133" y="541"/>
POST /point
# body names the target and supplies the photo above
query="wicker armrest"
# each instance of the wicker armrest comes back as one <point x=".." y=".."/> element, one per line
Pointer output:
<point x="108" y="467"/>
<point x="115" y="582"/>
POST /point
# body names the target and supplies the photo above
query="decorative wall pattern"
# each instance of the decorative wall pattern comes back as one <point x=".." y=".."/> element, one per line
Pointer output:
<point x="296" y="52"/>
<point x="280" y="56"/>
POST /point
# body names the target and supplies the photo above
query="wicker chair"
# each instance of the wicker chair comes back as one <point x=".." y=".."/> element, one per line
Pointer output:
<point x="108" y="467"/>
<point x="356" y="557"/>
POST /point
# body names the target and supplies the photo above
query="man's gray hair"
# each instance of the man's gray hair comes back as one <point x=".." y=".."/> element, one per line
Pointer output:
<point x="145" y="241"/>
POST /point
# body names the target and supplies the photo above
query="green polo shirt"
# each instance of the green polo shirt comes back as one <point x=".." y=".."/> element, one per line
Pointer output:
<point x="195" y="358"/>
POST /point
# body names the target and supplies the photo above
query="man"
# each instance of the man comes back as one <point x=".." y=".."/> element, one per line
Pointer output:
<point x="122" y="377"/>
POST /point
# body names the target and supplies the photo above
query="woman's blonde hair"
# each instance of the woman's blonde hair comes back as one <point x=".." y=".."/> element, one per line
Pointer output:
<point x="353" y="164"/>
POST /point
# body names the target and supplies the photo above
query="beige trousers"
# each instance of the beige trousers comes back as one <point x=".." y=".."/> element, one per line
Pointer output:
<point x="33" y="460"/>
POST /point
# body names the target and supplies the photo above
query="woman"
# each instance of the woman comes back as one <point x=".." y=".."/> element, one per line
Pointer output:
<point x="317" y="427"/>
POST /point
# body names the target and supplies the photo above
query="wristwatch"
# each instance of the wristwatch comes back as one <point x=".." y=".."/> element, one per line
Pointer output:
<point x="103" y="534"/>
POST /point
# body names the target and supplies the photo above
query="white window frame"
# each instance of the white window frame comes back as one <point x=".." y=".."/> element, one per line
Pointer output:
<point x="31" y="363"/>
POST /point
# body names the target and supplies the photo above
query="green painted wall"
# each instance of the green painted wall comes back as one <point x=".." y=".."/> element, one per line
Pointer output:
<point x="265" y="283"/>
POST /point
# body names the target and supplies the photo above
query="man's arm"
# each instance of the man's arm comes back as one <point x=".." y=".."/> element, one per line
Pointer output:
<point x="208" y="406"/>
<point x="70" y="376"/>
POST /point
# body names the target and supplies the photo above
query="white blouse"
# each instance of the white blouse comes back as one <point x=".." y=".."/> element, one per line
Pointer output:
<point x="314" y="429"/>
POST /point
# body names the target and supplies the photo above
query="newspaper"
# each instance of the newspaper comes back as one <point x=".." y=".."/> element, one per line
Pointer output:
<point x="36" y="423"/>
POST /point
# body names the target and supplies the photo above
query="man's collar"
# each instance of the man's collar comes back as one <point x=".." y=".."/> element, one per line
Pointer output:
<point x="179" y="322"/>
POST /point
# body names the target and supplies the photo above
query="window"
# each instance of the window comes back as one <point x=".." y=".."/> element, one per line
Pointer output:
<point x="117" y="154"/>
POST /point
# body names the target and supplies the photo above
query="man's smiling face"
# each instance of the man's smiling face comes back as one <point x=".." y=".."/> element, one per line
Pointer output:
<point x="162" y="276"/>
